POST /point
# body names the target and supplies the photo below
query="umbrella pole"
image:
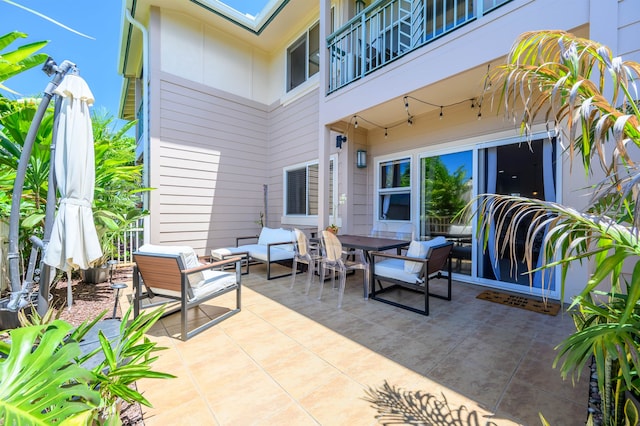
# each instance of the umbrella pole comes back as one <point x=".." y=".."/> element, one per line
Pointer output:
<point x="47" y="271"/>
<point x="16" y="301"/>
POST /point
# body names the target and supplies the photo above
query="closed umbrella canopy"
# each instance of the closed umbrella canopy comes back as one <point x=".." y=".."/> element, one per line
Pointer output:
<point x="74" y="241"/>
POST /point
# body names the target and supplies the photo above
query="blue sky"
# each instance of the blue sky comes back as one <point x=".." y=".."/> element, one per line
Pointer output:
<point x="96" y="59"/>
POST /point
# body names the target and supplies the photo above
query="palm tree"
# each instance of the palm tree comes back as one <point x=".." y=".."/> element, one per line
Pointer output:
<point x="589" y="98"/>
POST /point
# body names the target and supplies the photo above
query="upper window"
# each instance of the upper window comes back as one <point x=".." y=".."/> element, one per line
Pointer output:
<point x="394" y="190"/>
<point x="303" y="58"/>
<point x="301" y="183"/>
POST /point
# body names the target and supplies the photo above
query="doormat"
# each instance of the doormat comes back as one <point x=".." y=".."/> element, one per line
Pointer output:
<point x="549" y="308"/>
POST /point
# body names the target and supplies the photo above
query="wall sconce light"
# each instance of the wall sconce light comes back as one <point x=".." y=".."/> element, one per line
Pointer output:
<point x="340" y="140"/>
<point x="361" y="158"/>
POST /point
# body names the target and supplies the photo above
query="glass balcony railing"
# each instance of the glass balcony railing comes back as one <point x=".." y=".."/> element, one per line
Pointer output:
<point x="389" y="29"/>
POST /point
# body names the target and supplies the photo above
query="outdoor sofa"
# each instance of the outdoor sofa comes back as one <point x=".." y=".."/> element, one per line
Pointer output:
<point x="273" y="245"/>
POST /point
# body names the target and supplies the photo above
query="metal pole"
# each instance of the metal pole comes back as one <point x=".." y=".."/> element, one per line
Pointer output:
<point x="266" y="217"/>
<point x="16" y="302"/>
<point x="46" y="270"/>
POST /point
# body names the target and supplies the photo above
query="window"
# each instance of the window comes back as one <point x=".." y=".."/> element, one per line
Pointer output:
<point x="394" y="191"/>
<point x="301" y="183"/>
<point x="303" y="58"/>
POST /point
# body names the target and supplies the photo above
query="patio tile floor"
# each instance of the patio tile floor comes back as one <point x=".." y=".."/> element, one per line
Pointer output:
<point x="291" y="359"/>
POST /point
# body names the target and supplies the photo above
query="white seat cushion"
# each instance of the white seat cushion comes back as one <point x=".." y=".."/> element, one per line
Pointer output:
<point x="256" y="251"/>
<point x="222" y="253"/>
<point x="394" y="268"/>
<point x="259" y="252"/>
<point x="214" y="281"/>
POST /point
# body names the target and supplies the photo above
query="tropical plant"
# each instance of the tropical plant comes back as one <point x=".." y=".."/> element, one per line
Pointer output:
<point x="16" y="61"/>
<point x="118" y="188"/>
<point x="590" y="99"/>
<point x="126" y="360"/>
<point x="118" y="178"/>
<point x="40" y="383"/>
<point x="43" y="378"/>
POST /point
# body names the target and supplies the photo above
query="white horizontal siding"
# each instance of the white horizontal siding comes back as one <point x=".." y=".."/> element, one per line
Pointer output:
<point x="214" y="153"/>
<point x="293" y="139"/>
<point x="628" y="30"/>
<point x="208" y="165"/>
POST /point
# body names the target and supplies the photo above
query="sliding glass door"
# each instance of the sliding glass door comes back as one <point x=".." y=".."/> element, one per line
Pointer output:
<point x="521" y="169"/>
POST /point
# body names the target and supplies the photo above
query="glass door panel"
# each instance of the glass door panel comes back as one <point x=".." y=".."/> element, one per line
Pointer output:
<point x="520" y="169"/>
<point x="446" y="186"/>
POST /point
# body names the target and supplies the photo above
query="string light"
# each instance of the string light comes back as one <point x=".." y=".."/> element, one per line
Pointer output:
<point x="410" y="118"/>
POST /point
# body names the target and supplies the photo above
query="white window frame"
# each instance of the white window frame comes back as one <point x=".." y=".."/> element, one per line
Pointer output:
<point x="304" y="39"/>
<point x="379" y="191"/>
<point x="307" y="219"/>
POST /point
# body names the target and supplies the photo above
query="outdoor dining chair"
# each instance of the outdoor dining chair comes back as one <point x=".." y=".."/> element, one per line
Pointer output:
<point x="333" y="260"/>
<point x="304" y="253"/>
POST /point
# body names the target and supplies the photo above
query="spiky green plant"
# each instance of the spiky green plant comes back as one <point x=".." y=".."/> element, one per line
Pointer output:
<point x="557" y="78"/>
<point x="43" y="378"/>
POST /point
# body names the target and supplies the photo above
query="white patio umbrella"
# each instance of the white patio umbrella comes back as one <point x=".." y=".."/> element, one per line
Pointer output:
<point x="74" y="241"/>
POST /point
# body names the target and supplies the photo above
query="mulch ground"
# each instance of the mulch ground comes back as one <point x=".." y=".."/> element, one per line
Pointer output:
<point x="88" y="301"/>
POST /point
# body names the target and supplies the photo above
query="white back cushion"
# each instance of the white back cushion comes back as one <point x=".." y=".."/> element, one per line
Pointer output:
<point x="276" y="235"/>
<point x="187" y="254"/>
<point x="460" y="229"/>
<point x="420" y="249"/>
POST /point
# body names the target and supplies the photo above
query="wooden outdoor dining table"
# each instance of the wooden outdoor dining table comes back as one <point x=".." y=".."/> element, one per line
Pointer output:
<point x="369" y="244"/>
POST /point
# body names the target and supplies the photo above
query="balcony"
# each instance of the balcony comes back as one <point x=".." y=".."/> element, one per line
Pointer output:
<point x="389" y="29"/>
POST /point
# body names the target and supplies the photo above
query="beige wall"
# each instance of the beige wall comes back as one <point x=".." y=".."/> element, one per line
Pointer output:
<point x="214" y="153"/>
<point x="199" y="52"/>
<point x="209" y="163"/>
<point x="205" y="55"/>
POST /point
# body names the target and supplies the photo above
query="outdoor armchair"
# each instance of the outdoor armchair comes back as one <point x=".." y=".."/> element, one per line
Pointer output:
<point x="174" y="273"/>
<point x="424" y="261"/>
